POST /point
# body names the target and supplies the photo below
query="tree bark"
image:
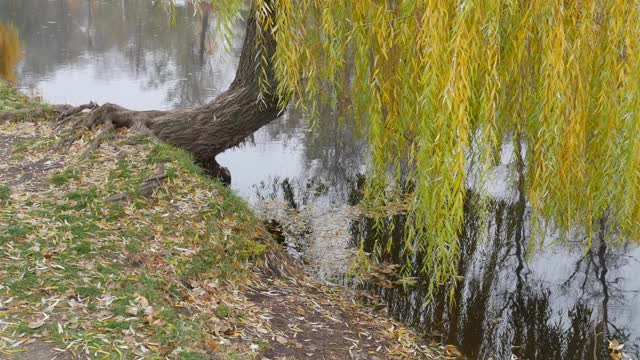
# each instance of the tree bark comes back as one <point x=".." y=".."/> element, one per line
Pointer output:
<point x="209" y="129"/>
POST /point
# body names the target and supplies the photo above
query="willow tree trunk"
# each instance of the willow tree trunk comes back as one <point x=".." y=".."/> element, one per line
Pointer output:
<point x="208" y="130"/>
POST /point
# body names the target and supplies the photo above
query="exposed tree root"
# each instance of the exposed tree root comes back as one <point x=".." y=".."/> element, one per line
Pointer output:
<point x="75" y="110"/>
<point x="115" y="116"/>
<point x="102" y="136"/>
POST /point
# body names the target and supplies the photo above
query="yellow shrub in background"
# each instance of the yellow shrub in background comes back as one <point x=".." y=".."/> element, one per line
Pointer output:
<point x="10" y="51"/>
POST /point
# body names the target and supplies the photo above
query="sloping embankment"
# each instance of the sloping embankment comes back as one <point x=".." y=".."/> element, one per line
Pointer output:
<point x="126" y="250"/>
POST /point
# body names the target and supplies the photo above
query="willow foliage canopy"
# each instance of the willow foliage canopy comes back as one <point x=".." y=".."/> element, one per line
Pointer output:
<point x="441" y="85"/>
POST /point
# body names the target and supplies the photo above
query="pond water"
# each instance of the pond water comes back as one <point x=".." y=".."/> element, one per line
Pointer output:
<point x="555" y="303"/>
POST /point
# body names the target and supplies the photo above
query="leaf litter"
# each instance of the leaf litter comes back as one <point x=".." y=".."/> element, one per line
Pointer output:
<point x="181" y="269"/>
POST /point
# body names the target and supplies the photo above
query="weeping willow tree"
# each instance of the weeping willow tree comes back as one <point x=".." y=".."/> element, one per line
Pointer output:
<point x="10" y="52"/>
<point x="437" y="84"/>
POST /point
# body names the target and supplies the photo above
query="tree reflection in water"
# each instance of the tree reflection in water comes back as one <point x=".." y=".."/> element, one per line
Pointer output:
<point x="552" y="303"/>
<point x="502" y="307"/>
<point x="131" y="47"/>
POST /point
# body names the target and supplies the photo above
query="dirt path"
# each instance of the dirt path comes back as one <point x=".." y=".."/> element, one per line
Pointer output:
<point x="306" y="320"/>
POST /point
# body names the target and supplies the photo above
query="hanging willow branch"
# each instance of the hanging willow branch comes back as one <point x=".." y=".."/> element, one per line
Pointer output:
<point x="437" y="83"/>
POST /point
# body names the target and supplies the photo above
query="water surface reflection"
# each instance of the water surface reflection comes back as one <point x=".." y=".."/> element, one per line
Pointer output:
<point x="125" y="52"/>
<point x="557" y="303"/>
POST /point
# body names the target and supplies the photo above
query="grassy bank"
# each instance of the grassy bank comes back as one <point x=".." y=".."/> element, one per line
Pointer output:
<point x="127" y="250"/>
<point x="102" y="264"/>
<point x="11" y="100"/>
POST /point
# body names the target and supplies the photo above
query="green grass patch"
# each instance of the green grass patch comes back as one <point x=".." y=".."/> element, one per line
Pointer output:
<point x="204" y="261"/>
<point x="123" y="170"/>
<point x="65" y="176"/>
<point x="223" y="311"/>
<point x="83" y="248"/>
<point x="12" y="100"/>
<point x="89" y="291"/>
<point x="24" y="285"/>
<point x="164" y="153"/>
<point x="16" y="231"/>
<point x="5" y="194"/>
